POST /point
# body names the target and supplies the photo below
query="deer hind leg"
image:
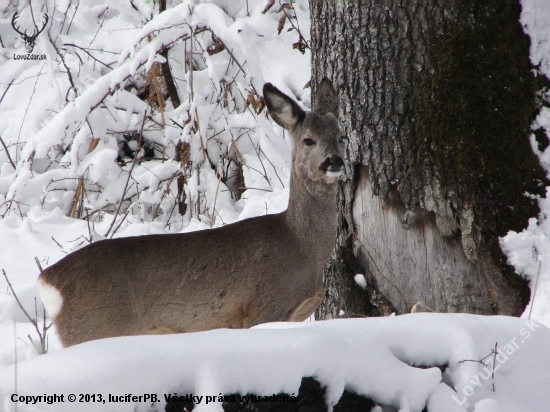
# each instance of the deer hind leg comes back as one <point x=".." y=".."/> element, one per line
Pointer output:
<point x="306" y="308"/>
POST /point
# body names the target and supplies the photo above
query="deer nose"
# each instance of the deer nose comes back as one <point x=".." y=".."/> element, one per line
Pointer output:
<point x="333" y="163"/>
<point x="336" y="162"/>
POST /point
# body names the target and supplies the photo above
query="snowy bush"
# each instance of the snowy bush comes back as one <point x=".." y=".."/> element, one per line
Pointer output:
<point x="94" y="146"/>
<point x="91" y="131"/>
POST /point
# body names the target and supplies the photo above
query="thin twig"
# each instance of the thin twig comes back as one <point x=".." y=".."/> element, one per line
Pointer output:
<point x="262" y="163"/>
<point x="31" y="320"/>
<point x="45" y="330"/>
<point x="101" y="25"/>
<point x="494" y="360"/>
<point x="247" y="188"/>
<point x="212" y="219"/>
<point x="16" y="204"/>
<point x="32" y="17"/>
<point x="64" y="20"/>
<point x="88" y="223"/>
<point x="164" y="193"/>
<point x="297" y="27"/>
<point x="58" y="244"/>
<point x="478" y="361"/>
<point x="122" y="220"/>
<point x="88" y="53"/>
<point x="272" y="165"/>
<point x="7" y="153"/>
<point x="5" y="91"/>
<point x="27" y="110"/>
<point x="38" y="264"/>
<point x="72" y="18"/>
<point x="204" y="155"/>
<point x="69" y="75"/>
<point x="535" y="289"/>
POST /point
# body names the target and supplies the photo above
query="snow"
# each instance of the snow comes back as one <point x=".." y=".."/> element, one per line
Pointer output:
<point x="360" y="280"/>
<point x="379" y="357"/>
<point x="48" y="128"/>
<point x="535" y="18"/>
<point x="525" y="249"/>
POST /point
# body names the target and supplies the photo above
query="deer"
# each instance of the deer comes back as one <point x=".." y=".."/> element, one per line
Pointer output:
<point x="263" y="269"/>
<point x="29" y="39"/>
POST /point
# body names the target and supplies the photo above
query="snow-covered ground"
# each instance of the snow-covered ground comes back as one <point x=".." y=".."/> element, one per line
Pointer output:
<point x="374" y="357"/>
<point x="56" y="169"/>
<point x="526" y="249"/>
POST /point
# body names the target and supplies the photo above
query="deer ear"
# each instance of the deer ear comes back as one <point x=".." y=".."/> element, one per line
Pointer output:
<point x="282" y="108"/>
<point x="327" y="99"/>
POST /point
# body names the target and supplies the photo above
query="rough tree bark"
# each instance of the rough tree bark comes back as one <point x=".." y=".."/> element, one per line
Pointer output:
<point x="436" y="100"/>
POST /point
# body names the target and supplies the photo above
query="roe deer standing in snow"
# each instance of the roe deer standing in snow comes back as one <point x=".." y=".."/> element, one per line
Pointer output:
<point x="263" y="269"/>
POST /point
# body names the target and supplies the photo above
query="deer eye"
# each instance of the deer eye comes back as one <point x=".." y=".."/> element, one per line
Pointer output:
<point x="309" y="142"/>
<point x="342" y="139"/>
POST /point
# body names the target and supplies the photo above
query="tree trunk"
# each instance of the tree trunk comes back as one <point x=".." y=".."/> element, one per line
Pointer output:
<point x="436" y="101"/>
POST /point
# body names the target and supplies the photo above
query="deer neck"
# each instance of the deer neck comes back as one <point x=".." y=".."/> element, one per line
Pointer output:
<point x="312" y="214"/>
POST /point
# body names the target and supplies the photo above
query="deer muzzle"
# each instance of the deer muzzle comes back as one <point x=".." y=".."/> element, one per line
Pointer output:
<point x="332" y="166"/>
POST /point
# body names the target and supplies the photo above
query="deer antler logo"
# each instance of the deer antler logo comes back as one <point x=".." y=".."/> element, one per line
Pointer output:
<point x="29" y="39"/>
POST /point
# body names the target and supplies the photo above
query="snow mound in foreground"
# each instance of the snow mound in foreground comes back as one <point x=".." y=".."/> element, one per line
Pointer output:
<point x="391" y="360"/>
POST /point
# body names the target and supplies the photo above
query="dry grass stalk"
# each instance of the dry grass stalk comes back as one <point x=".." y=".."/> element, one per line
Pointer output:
<point x="183" y="155"/>
<point x="80" y="188"/>
<point x="237" y="176"/>
<point x="198" y="129"/>
<point x="226" y="92"/>
<point x="418" y="305"/>
<point x="212" y="218"/>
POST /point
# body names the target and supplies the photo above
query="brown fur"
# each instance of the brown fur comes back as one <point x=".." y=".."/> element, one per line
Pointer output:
<point x="263" y="269"/>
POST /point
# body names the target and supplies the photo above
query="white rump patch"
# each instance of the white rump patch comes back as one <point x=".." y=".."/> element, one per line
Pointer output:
<point x="330" y="173"/>
<point x="51" y="298"/>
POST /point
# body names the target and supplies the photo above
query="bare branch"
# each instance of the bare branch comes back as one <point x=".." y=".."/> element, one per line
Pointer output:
<point x="88" y="53"/>
<point x="7" y="152"/>
<point x="34" y="322"/>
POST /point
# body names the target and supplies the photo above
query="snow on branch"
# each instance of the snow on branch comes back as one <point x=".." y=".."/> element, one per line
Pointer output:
<point x="213" y="160"/>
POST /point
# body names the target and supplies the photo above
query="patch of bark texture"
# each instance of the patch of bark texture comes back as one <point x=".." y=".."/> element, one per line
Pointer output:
<point x="436" y="100"/>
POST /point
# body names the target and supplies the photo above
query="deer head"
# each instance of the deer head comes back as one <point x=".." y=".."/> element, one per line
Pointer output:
<point x="29" y="39"/>
<point x="317" y="141"/>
